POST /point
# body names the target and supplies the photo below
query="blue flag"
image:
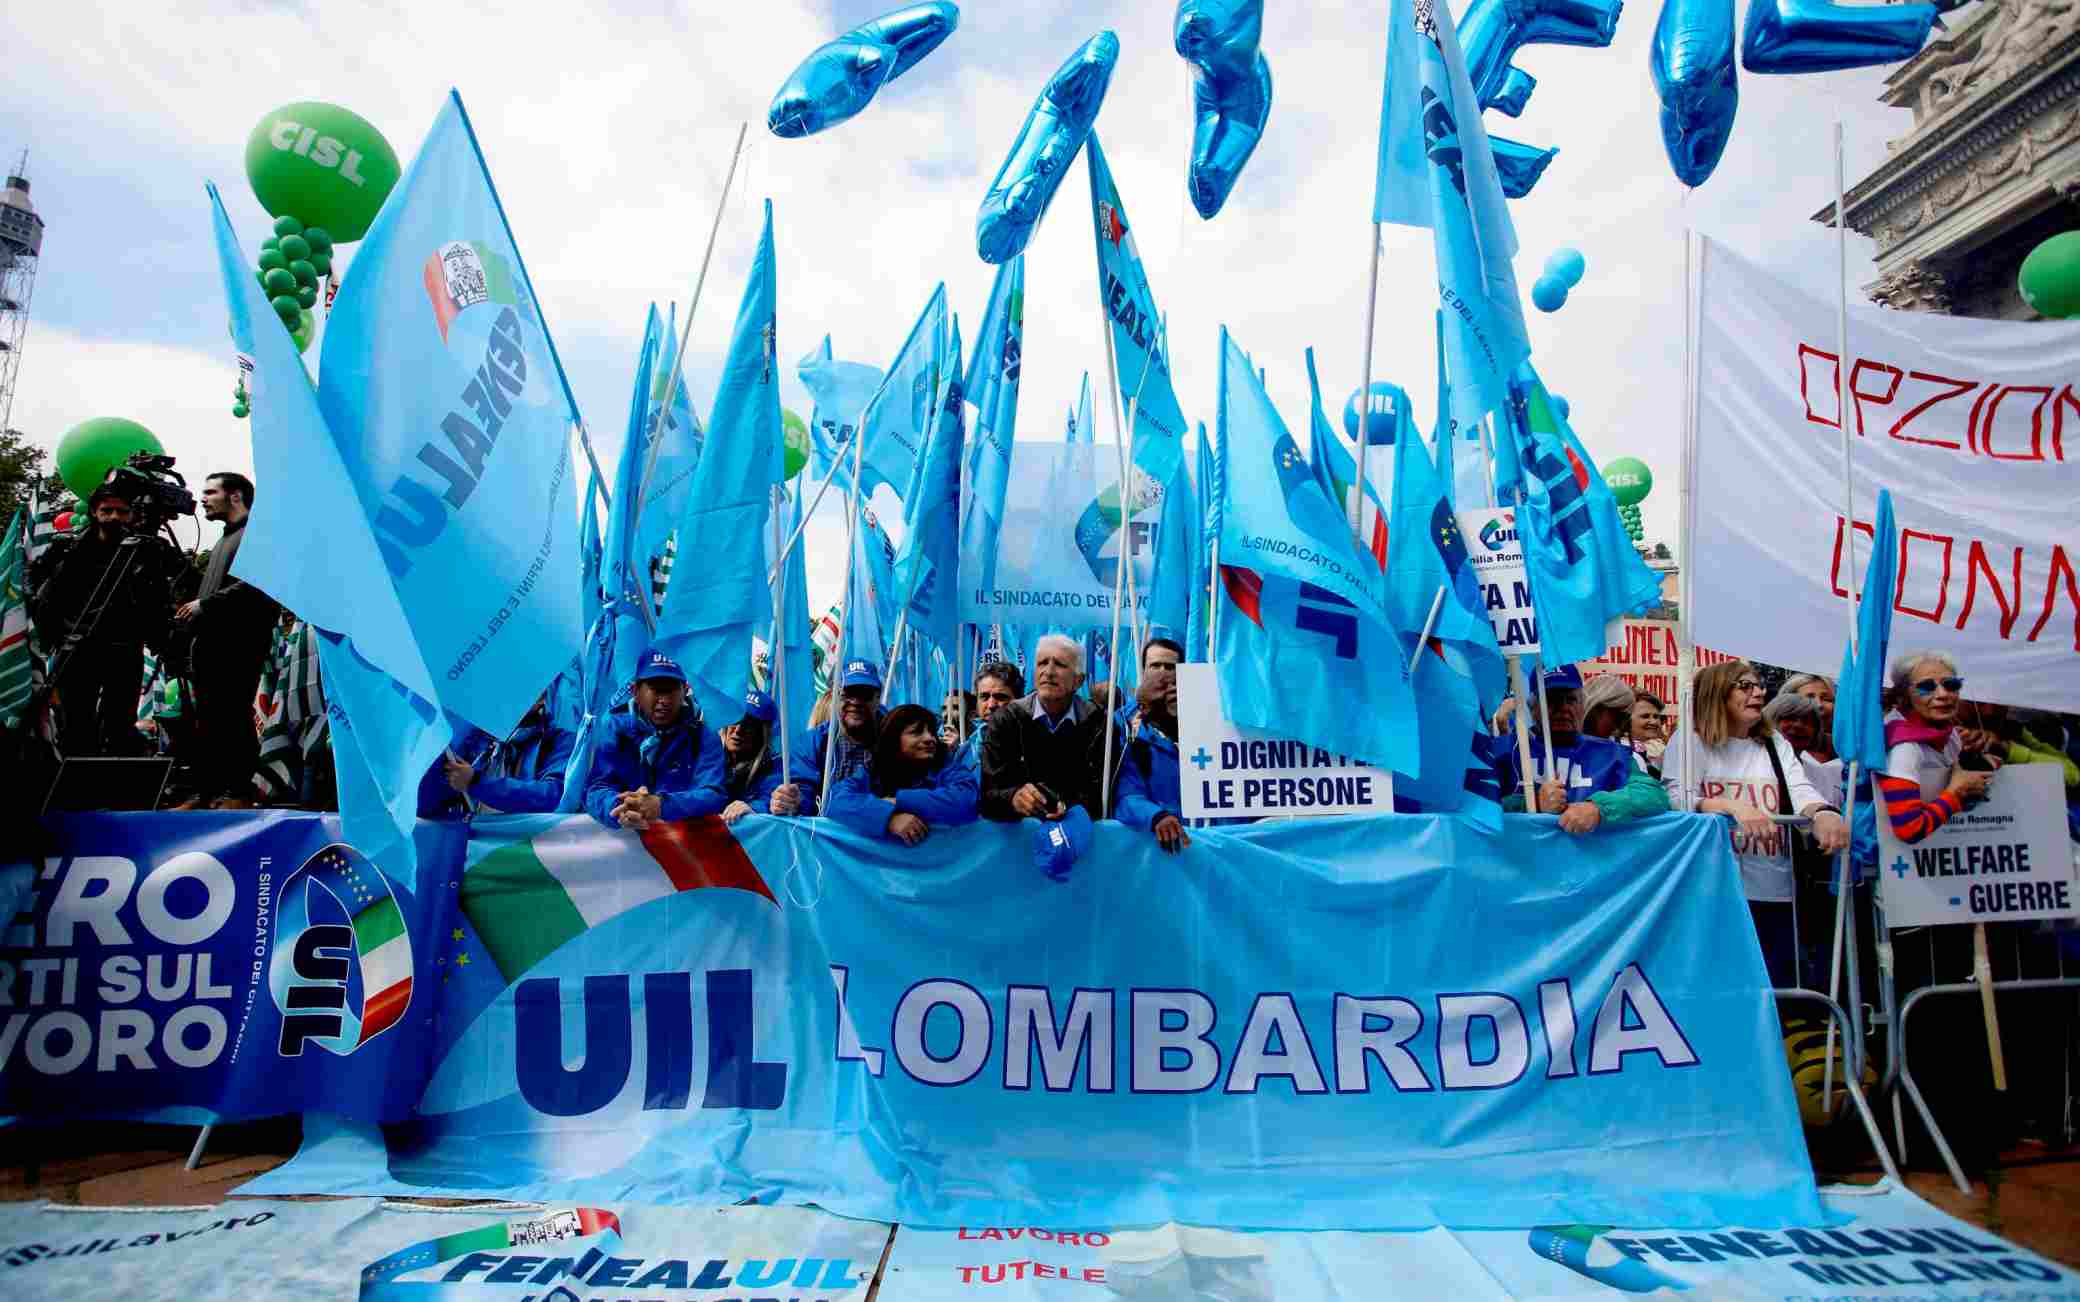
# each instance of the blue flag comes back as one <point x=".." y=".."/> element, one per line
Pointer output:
<point x="715" y="603"/>
<point x="1176" y="566"/>
<point x="1306" y="649"/>
<point x="1336" y="469"/>
<point x="1444" y="431"/>
<point x="1437" y="171"/>
<point x="870" y="600"/>
<point x="1458" y="671"/>
<point x="625" y="569"/>
<point x="672" y="439"/>
<point x="927" y="568"/>
<point x="1128" y="302"/>
<point x="1859" y="715"/>
<point x="993" y="388"/>
<point x="901" y="413"/>
<point x="311" y="546"/>
<point x="590" y="555"/>
<point x="797" y="666"/>
<point x="442" y="387"/>
<point x="1207" y="526"/>
<point x="841" y="392"/>
<point x="1583" y="567"/>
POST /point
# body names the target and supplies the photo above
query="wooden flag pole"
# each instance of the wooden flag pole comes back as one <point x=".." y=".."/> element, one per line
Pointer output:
<point x="1982" y="972"/>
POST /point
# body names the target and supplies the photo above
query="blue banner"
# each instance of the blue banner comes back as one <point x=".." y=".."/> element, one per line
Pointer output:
<point x="654" y="1016"/>
<point x="195" y="966"/>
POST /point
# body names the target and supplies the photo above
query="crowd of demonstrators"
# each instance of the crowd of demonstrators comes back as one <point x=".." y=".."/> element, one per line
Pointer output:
<point x="910" y="784"/>
<point x="1035" y="753"/>
<point x="858" y="724"/>
<point x="657" y="762"/>
<point x="1592" y="780"/>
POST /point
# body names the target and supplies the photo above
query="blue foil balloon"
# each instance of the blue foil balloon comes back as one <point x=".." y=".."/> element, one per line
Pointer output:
<point x="1054" y="131"/>
<point x="1515" y="93"/>
<point x="1567" y="266"/>
<point x="1382" y="416"/>
<point x="1548" y="294"/>
<point x="1519" y="166"/>
<point x="1692" y="66"/>
<point x="1788" y="36"/>
<point x="1231" y="92"/>
<point x="839" y="79"/>
<point x="1490" y="34"/>
<point x="1560" y="405"/>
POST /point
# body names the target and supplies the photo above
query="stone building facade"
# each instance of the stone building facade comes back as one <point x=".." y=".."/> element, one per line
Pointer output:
<point x="1991" y="168"/>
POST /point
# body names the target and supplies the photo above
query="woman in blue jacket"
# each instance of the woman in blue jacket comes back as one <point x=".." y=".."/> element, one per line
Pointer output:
<point x="910" y="785"/>
<point x="754" y="770"/>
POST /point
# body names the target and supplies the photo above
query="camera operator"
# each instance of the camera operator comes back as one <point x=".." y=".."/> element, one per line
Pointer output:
<point x="100" y="597"/>
<point x="230" y="624"/>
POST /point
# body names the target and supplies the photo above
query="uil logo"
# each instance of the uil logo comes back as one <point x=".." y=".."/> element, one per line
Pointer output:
<point x="341" y="973"/>
<point x="1498" y="532"/>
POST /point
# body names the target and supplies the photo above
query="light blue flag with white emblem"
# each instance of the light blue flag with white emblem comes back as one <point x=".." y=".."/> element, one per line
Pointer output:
<point x="444" y="393"/>
<point x="841" y="392"/>
<point x="1305" y="647"/>
<point x="624" y="568"/>
<point x="1584" y="570"/>
<point x="718" y="596"/>
<point x="927" y="570"/>
<point x="1137" y="328"/>
<point x="1437" y="171"/>
<point x="673" y="437"/>
<point x="901" y="413"/>
<point x="993" y="387"/>
<point x="310" y="545"/>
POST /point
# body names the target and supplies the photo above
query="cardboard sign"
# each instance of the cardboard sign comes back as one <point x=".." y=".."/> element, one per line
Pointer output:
<point x="1231" y="772"/>
<point x="1490" y="533"/>
<point x="2002" y="860"/>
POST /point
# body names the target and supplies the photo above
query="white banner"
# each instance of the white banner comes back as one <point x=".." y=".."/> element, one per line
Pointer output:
<point x="1231" y="772"/>
<point x="2004" y="859"/>
<point x="1497" y="557"/>
<point x="1059" y="547"/>
<point x="1965" y="421"/>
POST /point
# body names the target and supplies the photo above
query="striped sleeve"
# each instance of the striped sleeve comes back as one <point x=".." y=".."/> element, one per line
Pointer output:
<point x="1912" y="817"/>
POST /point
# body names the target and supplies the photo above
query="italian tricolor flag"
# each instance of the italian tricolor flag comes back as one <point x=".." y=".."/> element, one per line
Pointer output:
<point x="527" y="897"/>
<point x="573" y="1223"/>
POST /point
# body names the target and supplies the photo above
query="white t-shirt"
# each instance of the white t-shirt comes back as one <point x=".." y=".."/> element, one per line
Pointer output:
<point x="1923" y="763"/>
<point x="1826" y="778"/>
<point x="1740" y="770"/>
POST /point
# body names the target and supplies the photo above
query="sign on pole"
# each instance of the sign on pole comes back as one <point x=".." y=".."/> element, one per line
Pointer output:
<point x="1231" y="772"/>
<point x="2002" y="860"/>
<point x="1498" y="566"/>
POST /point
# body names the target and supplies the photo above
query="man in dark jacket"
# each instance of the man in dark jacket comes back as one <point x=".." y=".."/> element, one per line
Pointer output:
<point x="1147" y="790"/>
<point x="231" y="625"/>
<point x="858" y="723"/>
<point x="1036" y="752"/>
<point x="658" y="763"/>
<point x="114" y="588"/>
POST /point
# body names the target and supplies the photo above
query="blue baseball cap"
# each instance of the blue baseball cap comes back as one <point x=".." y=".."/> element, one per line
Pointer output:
<point x="861" y="673"/>
<point x="1564" y="678"/>
<point x="757" y="705"/>
<point x="659" y="665"/>
<point x="1057" y="845"/>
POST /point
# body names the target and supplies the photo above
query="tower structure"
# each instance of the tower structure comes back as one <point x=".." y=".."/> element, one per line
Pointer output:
<point x="21" y="243"/>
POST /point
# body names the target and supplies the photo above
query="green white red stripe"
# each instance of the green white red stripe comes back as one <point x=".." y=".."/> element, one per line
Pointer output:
<point x="382" y="946"/>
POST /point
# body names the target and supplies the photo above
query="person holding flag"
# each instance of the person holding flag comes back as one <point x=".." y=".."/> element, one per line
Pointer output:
<point x="657" y="763"/>
<point x="754" y="766"/>
<point x="1592" y="781"/>
<point x="858" y="723"/>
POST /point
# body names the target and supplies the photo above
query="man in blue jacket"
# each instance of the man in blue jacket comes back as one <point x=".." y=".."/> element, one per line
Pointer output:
<point x="658" y="763"/>
<point x="858" y="723"/>
<point x="1595" y="781"/>
<point x="521" y="775"/>
<point x="1147" y="789"/>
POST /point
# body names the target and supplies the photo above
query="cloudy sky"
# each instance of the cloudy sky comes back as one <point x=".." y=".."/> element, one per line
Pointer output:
<point x="608" y="131"/>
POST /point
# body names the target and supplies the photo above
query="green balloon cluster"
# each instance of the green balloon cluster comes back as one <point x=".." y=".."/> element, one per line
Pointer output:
<point x="795" y="433"/>
<point x="323" y="166"/>
<point x="2050" y="277"/>
<point x="292" y="262"/>
<point x="92" y="448"/>
<point x="1633" y="526"/>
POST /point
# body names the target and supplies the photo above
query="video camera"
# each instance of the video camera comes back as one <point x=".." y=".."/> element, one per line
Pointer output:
<point x="157" y="492"/>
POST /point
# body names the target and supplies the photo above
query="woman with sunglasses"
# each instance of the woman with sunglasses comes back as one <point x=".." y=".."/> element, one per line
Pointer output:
<point x="1924" y="784"/>
<point x="1748" y="773"/>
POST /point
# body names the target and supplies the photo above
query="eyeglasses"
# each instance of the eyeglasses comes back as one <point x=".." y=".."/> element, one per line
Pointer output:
<point x="1927" y="686"/>
<point x="1747" y="685"/>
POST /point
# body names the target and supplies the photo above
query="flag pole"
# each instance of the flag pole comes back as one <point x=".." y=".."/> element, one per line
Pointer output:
<point x="1686" y="652"/>
<point x="598" y="476"/>
<point x="1849" y="766"/>
<point x="1365" y="390"/>
<point x="778" y="658"/>
<point x="700" y="281"/>
<point x="837" y="462"/>
<point x="1119" y="572"/>
<point x="837" y="678"/>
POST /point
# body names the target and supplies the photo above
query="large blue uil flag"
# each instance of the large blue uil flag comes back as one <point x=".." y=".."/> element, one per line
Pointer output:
<point x="993" y="388"/>
<point x="444" y="393"/>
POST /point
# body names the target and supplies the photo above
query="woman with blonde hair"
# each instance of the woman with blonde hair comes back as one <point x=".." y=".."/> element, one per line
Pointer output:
<point x="1747" y="773"/>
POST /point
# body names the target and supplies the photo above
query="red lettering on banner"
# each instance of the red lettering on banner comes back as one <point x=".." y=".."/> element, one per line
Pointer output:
<point x="1971" y="424"/>
<point x="1975" y="564"/>
<point x="1834" y="578"/>
<point x="1957" y="389"/>
<point x="1859" y="394"/>
<point x="1906" y="564"/>
<point x="2059" y="564"/>
<point x="2036" y="423"/>
<point x="2064" y="400"/>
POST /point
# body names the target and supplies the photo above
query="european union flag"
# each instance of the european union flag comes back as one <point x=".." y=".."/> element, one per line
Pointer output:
<point x="1306" y="649"/>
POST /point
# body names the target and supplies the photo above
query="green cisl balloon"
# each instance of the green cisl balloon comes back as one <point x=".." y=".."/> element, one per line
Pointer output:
<point x="2050" y="277"/>
<point x="795" y="433"/>
<point x="90" y="449"/>
<point x="322" y="165"/>
<point x="1630" y="480"/>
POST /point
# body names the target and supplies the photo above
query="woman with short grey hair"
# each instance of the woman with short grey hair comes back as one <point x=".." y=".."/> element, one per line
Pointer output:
<point x="1800" y="720"/>
<point x="1607" y="708"/>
